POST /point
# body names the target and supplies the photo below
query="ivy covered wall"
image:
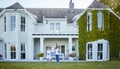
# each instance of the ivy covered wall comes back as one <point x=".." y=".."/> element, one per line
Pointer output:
<point x="110" y="32"/>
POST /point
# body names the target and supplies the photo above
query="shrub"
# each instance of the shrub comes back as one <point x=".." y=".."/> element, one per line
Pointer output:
<point x="72" y="54"/>
<point x="40" y="54"/>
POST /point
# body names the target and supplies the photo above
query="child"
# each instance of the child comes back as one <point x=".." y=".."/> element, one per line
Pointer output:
<point x="49" y="55"/>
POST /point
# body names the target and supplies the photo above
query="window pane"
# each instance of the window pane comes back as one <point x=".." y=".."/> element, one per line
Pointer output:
<point x="13" y="52"/>
<point x="100" y="20"/>
<point x="5" y="49"/>
<point x="62" y="49"/>
<point x="5" y="24"/>
<point x="51" y="27"/>
<point x="22" y="24"/>
<point x="13" y="23"/>
<point x="22" y="55"/>
<point x="22" y="20"/>
<point x="89" y="55"/>
<point x="22" y="47"/>
<point x="23" y="51"/>
<point x="89" y="47"/>
<point x="57" y="27"/>
<point x="22" y="28"/>
<point x="13" y="48"/>
<point x="100" y="55"/>
<point x="89" y="21"/>
<point x="100" y="47"/>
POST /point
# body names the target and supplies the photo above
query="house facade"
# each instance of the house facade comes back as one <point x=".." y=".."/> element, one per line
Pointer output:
<point x="25" y="32"/>
<point x="98" y="33"/>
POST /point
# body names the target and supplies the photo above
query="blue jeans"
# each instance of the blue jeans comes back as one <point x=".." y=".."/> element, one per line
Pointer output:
<point x="57" y="58"/>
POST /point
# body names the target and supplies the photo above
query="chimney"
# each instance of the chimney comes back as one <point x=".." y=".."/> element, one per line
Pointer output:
<point x="71" y="4"/>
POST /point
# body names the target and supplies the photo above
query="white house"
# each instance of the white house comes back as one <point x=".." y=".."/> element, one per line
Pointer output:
<point x="25" y="32"/>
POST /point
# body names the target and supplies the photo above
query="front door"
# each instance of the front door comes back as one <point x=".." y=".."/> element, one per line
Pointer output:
<point x="62" y="50"/>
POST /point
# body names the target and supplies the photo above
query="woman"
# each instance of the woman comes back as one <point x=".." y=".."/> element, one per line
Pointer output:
<point x="57" y="53"/>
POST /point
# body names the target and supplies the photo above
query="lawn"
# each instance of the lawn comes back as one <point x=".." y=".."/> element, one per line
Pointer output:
<point x="62" y="65"/>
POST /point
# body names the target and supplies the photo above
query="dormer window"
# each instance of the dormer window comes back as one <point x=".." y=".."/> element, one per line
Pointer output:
<point x="13" y="23"/>
<point x="54" y="27"/>
<point x="89" y="21"/>
<point x="22" y="24"/>
<point x="100" y="20"/>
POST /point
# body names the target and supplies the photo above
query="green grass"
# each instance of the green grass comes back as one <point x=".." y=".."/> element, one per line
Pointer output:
<point x="70" y="65"/>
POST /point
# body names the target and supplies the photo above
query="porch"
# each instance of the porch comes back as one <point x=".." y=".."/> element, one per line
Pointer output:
<point x="67" y="46"/>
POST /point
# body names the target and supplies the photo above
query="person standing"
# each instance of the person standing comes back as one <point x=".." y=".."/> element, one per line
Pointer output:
<point x="52" y="52"/>
<point x="57" y="53"/>
<point x="49" y="59"/>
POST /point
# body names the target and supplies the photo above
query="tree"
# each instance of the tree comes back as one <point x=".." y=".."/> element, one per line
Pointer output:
<point x="113" y="4"/>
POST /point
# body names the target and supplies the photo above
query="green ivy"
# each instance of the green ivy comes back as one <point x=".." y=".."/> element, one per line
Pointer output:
<point x="110" y="32"/>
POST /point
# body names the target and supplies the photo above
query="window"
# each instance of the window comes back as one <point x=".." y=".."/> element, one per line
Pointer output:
<point x="5" y="24"/>
<point x="100" y="51"/>
<point x="89" y="21"/>
<point x="89" y="51"/>
<point x="5" y="51"/>
<point x="100" y="20"/>
<point x="73" y="48"/>
<point x="22" y="24"/>
<point x="46" y="21"/>
<point x="63" y="49"/>
<point x="13" y="52"/>
<point x="57" y="27"/>
<point x="107" y="51"/>
<point x="13" y="23"/>
<point x="52" y="27"/>
<point x="23" y="54"/>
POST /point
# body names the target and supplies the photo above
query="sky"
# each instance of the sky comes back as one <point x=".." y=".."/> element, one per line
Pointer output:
<point x="46" y="3"/>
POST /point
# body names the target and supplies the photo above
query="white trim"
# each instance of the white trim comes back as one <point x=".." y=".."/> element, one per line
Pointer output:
<point x="114" y="13"/>
<point x="76" y="17"/>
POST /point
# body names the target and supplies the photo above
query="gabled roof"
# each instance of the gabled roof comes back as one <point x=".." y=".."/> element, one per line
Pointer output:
<point x="15" y="6"/>
<point x="97" y="4"/>
<point x="54" y="13"/>
<point x="51" y="13"/>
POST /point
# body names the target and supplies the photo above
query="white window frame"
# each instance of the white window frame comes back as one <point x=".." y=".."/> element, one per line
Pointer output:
<point x="57" y="27"/>
<point x="52" y="27"/>
<point x="100" y="20"/>
<point x="100" y="51"/>
<point x="22" y="50"/>
<point x="13" y="22"/>
<point x="89" y="21"/>
<point x="23" y="22"/>
<point x="13" y="52"/>
<point x="90" y="51"/>
<point x="5" y="24"/>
